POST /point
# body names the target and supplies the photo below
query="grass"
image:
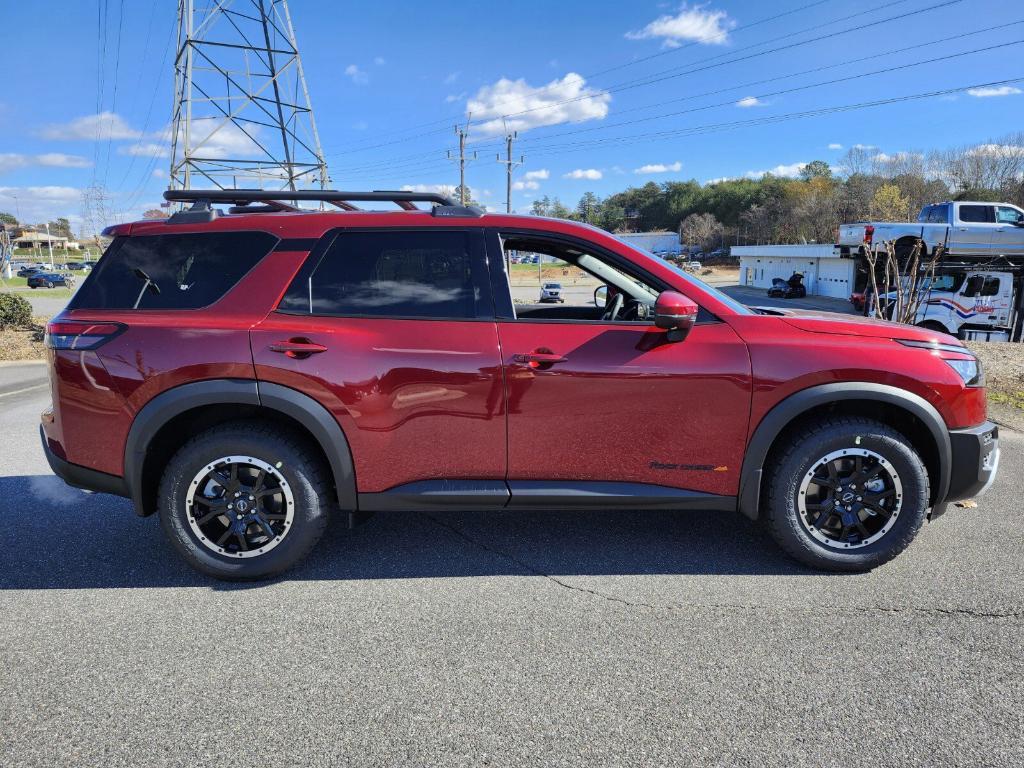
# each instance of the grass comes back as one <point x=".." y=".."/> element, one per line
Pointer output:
<point x="1012" y="399"/>
<point x="20" y="285"/>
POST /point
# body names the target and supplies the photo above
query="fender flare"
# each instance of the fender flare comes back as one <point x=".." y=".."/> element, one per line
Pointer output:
<point x="779" y="417"/>
<point x="316" y="419"/>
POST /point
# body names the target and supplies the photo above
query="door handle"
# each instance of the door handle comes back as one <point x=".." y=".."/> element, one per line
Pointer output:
<point x="539" y="358"/>
<point x="297" y="349"/>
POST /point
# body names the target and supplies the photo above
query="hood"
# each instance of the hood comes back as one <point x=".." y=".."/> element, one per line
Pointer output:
<point x="855" y="325"/>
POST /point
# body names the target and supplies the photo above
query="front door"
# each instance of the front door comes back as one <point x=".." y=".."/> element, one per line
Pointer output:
<point x="1008" y="237"/>
<point x="393" y="331"/>
<point x="602" y="406"/>
<point x="972" y="232"/>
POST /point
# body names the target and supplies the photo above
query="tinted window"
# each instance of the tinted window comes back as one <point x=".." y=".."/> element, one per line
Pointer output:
<point x="991" y="287"/>
<point x="395" y="274"/>
<point x="179" y="271"/>
<point x="938" y="215"/>
<point x="976" y="213"/>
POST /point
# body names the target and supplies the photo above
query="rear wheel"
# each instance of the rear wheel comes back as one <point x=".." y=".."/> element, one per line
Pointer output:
<point x="244" y="501"/>
<point x="933" y="325"/>
<point x="846" y="494"/>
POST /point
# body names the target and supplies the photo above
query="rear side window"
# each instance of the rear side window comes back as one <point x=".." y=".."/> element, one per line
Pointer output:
<point x="435" y="274"/>
<point x="981" y="214"/>
<point x="179" y="271"/>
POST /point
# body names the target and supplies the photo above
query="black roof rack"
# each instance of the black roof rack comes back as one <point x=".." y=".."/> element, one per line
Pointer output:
<point x="240" y="199"/>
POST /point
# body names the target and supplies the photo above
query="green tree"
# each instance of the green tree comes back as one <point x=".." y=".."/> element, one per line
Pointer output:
<point x="457" y="196"/>
<point x="589" y="208"/>
<point x="558" y="210"/>
<point x="61" y="227"/>
<point x="8" y="219"/>
<point x="889" y="204"/>
<point x="541" y="207"/>
<point x="816" y="169"/>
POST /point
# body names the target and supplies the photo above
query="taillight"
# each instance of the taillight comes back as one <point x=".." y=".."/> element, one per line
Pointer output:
<point x="68" y="334"/>
<point x="869" y="233"/>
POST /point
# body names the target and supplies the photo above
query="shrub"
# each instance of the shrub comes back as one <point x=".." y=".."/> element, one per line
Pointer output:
<point x="15" y="311"/>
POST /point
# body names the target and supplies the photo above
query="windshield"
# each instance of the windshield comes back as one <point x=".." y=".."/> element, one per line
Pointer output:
<point x="729" y="301"/>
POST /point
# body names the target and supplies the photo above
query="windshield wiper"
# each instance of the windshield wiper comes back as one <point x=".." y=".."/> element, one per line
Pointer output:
<point x="148" y="284"/>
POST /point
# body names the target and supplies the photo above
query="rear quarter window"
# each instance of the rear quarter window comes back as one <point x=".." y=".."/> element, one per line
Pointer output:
<point x="174" y="271"/>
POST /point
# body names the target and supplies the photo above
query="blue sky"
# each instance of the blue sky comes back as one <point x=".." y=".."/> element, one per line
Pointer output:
<point x="572" y="76"/>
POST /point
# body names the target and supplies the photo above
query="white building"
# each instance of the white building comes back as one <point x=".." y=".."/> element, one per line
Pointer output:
<point x="825" y="272"/>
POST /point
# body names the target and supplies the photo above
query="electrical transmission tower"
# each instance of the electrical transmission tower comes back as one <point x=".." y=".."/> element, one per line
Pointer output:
<point x="242" y="115"/>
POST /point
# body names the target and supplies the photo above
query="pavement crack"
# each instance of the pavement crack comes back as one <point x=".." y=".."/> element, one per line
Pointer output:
<point x="970" y="613"/>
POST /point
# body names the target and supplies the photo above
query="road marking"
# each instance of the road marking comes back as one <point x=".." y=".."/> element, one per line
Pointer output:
<point x="25" y="389"/>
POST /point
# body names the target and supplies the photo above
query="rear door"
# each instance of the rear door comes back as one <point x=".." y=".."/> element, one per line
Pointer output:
<point x="973" y="230"/>
<point x="393" y="331"/>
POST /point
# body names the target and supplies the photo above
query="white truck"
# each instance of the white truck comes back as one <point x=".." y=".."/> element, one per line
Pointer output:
<point x="963" y="228"/>
<point x="969" y="304"/>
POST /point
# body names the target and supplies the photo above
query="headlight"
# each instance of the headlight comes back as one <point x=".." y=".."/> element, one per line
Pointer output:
<point x="968" y="370"/>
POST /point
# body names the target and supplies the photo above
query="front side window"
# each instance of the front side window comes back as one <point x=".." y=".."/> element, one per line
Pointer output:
<point x="1007" y="215"/>
<point x="990" y="287"/>
<point x="980" y="214"/>
<point x="172" y="271"/>
<point x="435" y="274"/>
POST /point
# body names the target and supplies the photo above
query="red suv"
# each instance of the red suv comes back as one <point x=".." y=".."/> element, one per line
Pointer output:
<point x="246" y="372"/>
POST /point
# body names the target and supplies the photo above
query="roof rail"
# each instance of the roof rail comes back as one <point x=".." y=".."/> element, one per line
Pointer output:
<point x="245" y="196"/>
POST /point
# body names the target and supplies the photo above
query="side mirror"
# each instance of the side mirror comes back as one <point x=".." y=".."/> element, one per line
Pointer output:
<point x="601" y="296"/>
<point x="675" y="313"/>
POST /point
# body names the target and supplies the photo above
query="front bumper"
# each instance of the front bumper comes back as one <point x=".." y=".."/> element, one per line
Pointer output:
<point x="974" y="454"/>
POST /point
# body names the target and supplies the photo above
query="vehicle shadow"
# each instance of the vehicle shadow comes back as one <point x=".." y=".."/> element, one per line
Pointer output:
<point x="56" y="537"/>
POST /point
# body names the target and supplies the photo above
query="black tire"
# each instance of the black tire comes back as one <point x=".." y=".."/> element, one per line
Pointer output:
<point x="306" y="477"/>
<point x="49" y="284"/>
<point x="802" y="452"/>
<point x="933" y="325"/>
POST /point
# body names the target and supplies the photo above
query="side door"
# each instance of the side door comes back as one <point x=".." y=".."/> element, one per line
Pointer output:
<point x="608" y="411"/>
<point x="973" y="228"/>
<point x="393" y="332"/>
<point x="1008" y="237"/>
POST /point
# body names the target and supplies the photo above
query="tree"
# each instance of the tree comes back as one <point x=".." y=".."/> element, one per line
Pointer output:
<point x="541" y="207"/>
<point x="889" y="204"/>
<point x="558" y="210"/>
<point x="457" y="196"/>
<point x="589" y="208"/>
<point x="701" y="229"/>
<point x="155" y="213"/>
<point x="61" y="227"/>
<point x="8" y="219"/>
<point x="816" y="169"/>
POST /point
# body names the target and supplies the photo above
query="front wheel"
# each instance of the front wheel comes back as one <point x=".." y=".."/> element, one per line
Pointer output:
<point x="846" y="494"/>
<point x="244" y="501"/>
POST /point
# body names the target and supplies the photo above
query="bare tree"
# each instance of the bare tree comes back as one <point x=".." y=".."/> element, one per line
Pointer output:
<point x="899" y="286"/>
<point x="700" y="228"/>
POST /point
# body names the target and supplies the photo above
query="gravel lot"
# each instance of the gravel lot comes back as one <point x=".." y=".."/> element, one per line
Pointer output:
<point x="500" y="639"/>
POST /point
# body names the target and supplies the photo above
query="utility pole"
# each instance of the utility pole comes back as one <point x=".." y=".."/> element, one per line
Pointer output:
<point x="509" y="164"/>
<point x="242" y="114"/>
<point x="462" y="133"/>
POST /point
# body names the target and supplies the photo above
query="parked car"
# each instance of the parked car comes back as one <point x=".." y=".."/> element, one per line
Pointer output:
<point x="551" y="293"/>
<point x="28" y="271"/>
<point x="244" y="375"/>
<point x="793" y="288"/>
<point x="78" y="266"/>
<point x="49" y="280"/>
<point x="960" y="227"/>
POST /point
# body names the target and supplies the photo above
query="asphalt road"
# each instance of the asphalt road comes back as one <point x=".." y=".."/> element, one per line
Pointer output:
<point x="501" y="639"/>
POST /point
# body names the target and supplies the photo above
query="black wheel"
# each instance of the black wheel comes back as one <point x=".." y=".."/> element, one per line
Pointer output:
<point x="244" y="501"/>
<point x="49" y="284"/>
<point x="846" y="494"/>
<point x="933" y="325"/>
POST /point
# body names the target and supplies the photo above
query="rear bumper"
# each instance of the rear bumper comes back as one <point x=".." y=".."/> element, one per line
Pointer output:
<point x="974" y="462"/>
<point x="83" y="477"/>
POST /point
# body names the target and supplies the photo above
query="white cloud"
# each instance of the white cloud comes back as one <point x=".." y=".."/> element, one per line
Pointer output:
<point x="1002" y="90"/>
<point x="790" y="171"/>
<point x="145" y="149"/>
<point x="517" y="106"/>
<point x="10" y="161"/>
<point x="214" y="138"/>
<point x="583" y="173"/>
<point x="42" y="203"/>
<point x="659" y="168"/>
<point x="691" y="24"/>
<point x="998" y="150"/>
<point x="359" y="77"/>
<point x="451" y="98"/>
<point x="159" y="173"/>
<point x="379" y="61"/>
<point x="541" y="174"/>
<point x="525" y="185"/>
<point x="882" y="157"/>
<point x="441" y="189"/>
<point x="720" y="179"/>
<point x="750" y="101"/>
<point x="865" y="147"/>
<point x="103" y="126"/>
<point x="451" y="77"/>
<point x="835" y="145"/>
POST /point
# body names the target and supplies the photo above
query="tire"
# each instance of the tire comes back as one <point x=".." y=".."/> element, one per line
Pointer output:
<point x="287" y="461"/>
<point x="49" y="284"/>
<point x="933" y="325"/>
<point x="801" y="456"/>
